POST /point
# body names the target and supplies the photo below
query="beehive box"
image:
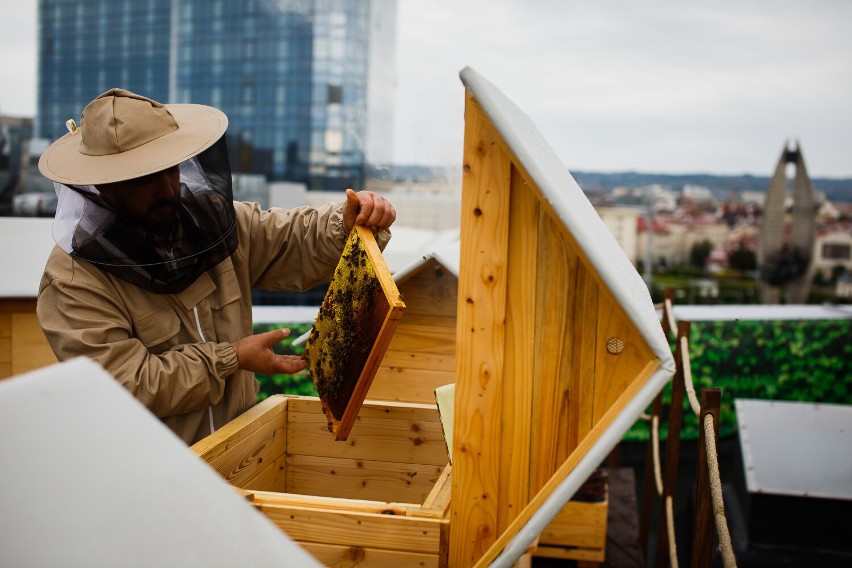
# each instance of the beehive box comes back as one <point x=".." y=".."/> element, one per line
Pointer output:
<point x="378" y="499"/>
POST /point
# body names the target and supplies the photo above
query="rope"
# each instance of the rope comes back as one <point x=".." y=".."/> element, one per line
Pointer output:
<point x="655" y="441"/>
<point x="671" y="532"/>
<point x="687" y="376"/>
<point x="728" y="558"/>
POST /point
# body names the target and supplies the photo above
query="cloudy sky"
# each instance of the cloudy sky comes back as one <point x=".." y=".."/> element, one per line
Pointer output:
<point x="651" y="86"/>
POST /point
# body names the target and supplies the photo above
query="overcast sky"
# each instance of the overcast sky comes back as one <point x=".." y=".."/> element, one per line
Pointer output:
<point x="651" y="86"/>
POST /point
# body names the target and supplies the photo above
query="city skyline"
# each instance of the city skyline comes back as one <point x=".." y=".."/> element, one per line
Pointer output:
<point x="651" y="87"/>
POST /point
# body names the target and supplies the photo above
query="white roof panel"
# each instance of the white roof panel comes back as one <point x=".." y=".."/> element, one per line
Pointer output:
<point x="27" y="242"/>
<point x="92" y="478"/>
<point x="796" y="448"/>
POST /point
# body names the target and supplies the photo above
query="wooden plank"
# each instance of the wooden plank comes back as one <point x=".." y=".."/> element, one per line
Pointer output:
<point x="271" y="477"/>
<point x="585" y="377"/>
<point x="439" y="497"/>
<point x="614" y="372"/>
<point x="521" y="299"/>
<point x="259" y="498"/>
<point x="360" y="478"/>
<point x="272" y="409"/>
<point x="446" y="323"/>
<point x="408" y="385"/>
<point x="424" y="339"/>
<point x="410" y="359"/>
<point x="408" y="441"/>
<point x="578" y="524"/>
<point x="247" y="458"/>
<point x="30" y="349"/>
<point x="477" y="444"/>
<point x="568" y="465"/>
<point x="338" y="556"/>
<point x="370" y="530"/>
<point x="427" y="293"/>
<point x="564" y="553"/>
<point x="553" y="353"/>
<point x="371" y="410"/>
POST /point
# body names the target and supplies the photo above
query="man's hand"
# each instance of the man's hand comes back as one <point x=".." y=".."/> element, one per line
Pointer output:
<point x="255" y="354"/>
<point x="367" y="208"/>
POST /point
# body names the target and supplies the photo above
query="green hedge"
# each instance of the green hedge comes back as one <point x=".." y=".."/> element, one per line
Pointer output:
<point x="801" y="360"/>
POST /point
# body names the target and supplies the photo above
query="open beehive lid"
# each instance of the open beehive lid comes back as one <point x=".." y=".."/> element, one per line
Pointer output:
<point x="559" y="349"/>
<point x="352" y="330"/>
<point x="92" y="478"/>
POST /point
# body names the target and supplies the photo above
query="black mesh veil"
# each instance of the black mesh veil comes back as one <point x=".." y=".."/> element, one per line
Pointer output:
<point x="202" y="235"/>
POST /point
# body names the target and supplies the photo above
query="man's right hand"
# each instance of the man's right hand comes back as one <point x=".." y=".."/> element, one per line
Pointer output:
<point x="255" y="354"/>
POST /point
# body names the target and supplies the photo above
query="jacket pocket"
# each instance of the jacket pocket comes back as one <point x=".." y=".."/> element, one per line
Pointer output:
<point x="158" y="330"/>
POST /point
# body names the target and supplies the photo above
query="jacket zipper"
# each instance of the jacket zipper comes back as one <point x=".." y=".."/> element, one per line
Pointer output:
<point x="201" y="333"/>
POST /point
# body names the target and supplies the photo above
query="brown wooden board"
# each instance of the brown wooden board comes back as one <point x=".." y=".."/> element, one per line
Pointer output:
<point x="353" y="328"/>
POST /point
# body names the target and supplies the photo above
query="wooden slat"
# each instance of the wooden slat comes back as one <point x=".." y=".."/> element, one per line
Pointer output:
<point x="585" y="377"/>
<point x="248" y="450"/>
<point x="446" y="323"/>
<point x="271" y="477"/>
<point x="370" y="410"/>
<point x="477" y="444"/>
<point x="259" y="498"/>
<point x="553" y="351"/>
<point x="568" y="465"/>
<point x="424" y="339"/>
<point x="614" y="372"/>
<point x="409" y="359"/>
<point x="521" y="298"/>
<point x="427" y="293"/>
<point x="408" y="385"/>
<point x="370" y="530"/>
<point x="30" y="349"/>
<point x="338" y="556"/>
<point x="578" y="524"/>
<point x="360" y="479"/>
<point x="408" y="441"/>
<point x="589" y="554"/>
<point x="439" y="497"/>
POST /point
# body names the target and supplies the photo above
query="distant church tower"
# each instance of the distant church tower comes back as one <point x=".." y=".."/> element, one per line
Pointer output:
<point x="784" y="258"/>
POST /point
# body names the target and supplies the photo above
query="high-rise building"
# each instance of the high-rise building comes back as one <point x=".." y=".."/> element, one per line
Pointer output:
<point x="307" y="84"/>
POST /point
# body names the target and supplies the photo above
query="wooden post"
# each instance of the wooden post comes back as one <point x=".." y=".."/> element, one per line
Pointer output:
<point x="672" y="446"/>
<point x="702" y="526"/>
<point x="649" y="490"/>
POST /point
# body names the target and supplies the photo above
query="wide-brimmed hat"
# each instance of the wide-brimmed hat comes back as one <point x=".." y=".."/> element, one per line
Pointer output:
<point x="123" y="136"/>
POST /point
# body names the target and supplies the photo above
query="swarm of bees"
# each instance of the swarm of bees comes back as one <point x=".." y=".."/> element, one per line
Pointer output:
<point x="348" y="322"/>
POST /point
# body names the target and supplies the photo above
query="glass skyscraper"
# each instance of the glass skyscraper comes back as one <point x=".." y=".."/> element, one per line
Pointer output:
<point x="307" y="84"/>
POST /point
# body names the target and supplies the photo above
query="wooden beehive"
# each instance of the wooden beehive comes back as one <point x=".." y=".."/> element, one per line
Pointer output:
<point x="557" y="351"/>
<point x="378" y="499"/>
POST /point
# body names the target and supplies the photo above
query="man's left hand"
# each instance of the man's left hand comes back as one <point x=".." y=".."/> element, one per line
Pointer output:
<point x="369" y="209"/>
